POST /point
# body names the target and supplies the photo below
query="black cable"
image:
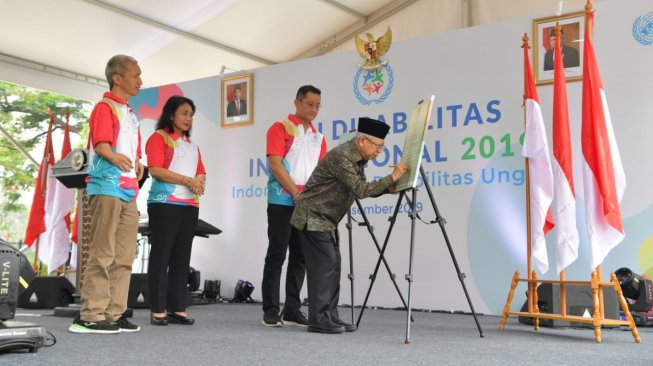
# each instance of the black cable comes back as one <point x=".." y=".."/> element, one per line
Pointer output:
<point x="52" y="338"/>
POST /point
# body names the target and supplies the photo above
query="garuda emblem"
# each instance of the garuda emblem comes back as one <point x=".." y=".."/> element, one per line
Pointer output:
<point x="372" y="50"/>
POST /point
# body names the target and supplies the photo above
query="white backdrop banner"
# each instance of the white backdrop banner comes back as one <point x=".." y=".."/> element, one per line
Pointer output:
<point x="472" y="158"/>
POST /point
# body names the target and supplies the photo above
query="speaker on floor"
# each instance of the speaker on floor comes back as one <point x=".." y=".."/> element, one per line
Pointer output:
<point x="47" y="293"/>
<point x="15" y="277"/>
<point x="139" y="295"/>
<point x="579" y="303"/>
<point x="243" y="291"/>
<point x="194" y="277"/>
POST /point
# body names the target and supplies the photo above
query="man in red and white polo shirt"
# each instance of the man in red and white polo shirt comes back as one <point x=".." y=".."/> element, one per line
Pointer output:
<point x="294" y="147"/>
<point x="112" y="184"/>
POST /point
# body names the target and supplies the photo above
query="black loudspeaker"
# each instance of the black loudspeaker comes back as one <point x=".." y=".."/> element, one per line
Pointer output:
<point x="139" y="295"/>
<point x="637" y="289"/>
<point x="47" y="293"/>
<point x="194" y="277"/>
<point x="579" y="300"/>
<point x="211" y="289"/>
<point x="15" y="277"/>
<point x="243" y="291"/>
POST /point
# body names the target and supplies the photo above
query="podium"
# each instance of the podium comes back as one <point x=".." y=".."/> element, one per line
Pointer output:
<point x="72" y="172"/>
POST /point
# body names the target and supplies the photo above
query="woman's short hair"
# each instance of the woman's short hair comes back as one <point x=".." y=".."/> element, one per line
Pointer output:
<point x="174" y="102"/>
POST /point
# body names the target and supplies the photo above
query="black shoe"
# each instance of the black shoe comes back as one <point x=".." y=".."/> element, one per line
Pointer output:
<point x="178" y="319"/>
<point x="271" y="319"/>
<point x="295" y="318"/>
<point x="99" y="327"/>
<point x="156" y="320"/>
<point x="348" y="327"/>
<point x="327" y="328"/>
<point x="125" y="325"/>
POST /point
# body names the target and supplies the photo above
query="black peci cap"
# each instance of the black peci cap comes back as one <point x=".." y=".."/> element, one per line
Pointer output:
<point x="373" y="127"/>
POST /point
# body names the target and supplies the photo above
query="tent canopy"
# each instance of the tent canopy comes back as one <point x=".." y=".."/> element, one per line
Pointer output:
<point x="63" y="45"/>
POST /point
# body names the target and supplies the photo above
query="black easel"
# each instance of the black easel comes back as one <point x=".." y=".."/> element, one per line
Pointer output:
<point x="351" y="263"/>
<point x="409" y="277"/>
<point x="370" y="229"/>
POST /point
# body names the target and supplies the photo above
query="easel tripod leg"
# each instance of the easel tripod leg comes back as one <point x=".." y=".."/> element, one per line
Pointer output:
<point x="351" y="263"/>
<point x="441" y="222"/>
<point x="381" y="251"/>
<point x="409" y="276"/>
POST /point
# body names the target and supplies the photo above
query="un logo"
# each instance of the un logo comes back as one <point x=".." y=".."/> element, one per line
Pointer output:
<point x="373" y="86"/>
<point x="643" y="29"/>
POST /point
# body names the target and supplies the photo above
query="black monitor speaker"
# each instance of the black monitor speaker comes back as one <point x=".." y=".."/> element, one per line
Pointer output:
<point x="47" y="293"/>
<point x="139" y="294"/>
<point x="579" y="303"/>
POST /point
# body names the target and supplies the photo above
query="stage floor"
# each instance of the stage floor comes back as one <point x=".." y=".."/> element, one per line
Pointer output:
<point x="232" y="334"/>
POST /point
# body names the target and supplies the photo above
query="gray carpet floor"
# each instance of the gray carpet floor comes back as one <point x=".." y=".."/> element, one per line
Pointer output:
<point x="232" y="334"/>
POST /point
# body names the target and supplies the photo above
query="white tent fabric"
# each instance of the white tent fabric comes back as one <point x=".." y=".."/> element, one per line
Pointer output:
<point x="63" y="45"/>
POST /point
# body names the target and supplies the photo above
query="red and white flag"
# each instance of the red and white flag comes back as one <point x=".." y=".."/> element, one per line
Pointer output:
<point x="36" y="220"/>
<point x="564" y="200"/>
<point x="74" y="250"/>
<point x="604" y="180"/>
<point x="54" y="242"/>
<point x="536" y="149"/>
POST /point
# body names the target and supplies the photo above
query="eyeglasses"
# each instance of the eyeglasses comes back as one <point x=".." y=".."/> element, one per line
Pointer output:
<point x="379" y="147"/>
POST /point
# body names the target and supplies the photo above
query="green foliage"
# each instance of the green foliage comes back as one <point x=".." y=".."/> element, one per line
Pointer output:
<point x="24" y="116"/>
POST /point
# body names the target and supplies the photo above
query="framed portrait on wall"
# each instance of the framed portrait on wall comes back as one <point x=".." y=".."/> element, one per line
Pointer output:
<point x="236" y="105"/>
<point x="571" y="39"/>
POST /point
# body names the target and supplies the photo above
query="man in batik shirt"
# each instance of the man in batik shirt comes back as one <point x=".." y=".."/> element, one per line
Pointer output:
<point x="328" y="194"/>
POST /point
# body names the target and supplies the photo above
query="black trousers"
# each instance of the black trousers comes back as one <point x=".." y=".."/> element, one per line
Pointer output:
<point x="282" y="238"/>
<point x="322" y="253"/>
<point x="173" y="229"/>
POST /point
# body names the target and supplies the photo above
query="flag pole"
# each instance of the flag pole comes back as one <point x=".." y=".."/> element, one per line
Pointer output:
<point x="562" y="275"/>
<point x="589" y="27"/>
<point x="529" y="266"/>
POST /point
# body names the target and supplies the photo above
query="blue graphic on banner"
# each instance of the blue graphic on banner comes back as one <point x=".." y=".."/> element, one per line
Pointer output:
<point x="643" y="29"/>
<point x="373" y="86"/>
<point x="147" y="97"/>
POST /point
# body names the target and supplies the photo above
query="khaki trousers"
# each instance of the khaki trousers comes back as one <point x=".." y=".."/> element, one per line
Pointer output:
<point x="114" y="226"/>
